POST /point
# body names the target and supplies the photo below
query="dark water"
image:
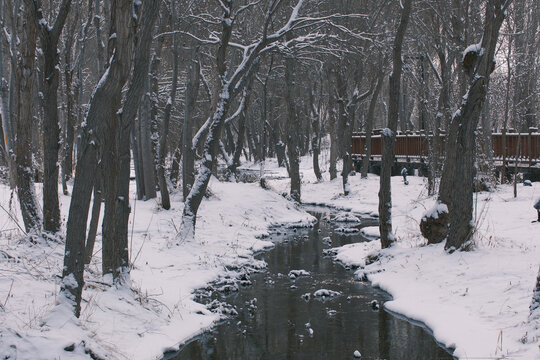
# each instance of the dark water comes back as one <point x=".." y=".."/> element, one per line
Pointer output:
<point x="274" y="325"/>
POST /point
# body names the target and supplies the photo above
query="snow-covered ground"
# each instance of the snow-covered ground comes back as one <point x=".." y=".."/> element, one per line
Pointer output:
<point x="476" y="302"/>
<point x="158" y="311"/>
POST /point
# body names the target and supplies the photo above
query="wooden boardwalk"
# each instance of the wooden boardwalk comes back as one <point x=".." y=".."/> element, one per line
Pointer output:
<point x="414" y="146"/>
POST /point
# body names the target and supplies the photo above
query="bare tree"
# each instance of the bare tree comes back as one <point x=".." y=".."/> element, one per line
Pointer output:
<point x="49" y="37"/>
<point x="478" y="63"/>
<point x="370" y="119"/>
<point x="293" y="128"/>
<point x="5" y="115"/>
<point x="162" y="150"/>
<point x="389" y="134"/>
<point x="102" y="103"/>
<point x="188" y="148"/>
<point x="23" y="149"/>
<point x="232" y="81"/>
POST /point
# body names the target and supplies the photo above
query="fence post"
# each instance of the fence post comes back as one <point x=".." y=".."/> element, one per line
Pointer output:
<point x="529" y="145"/>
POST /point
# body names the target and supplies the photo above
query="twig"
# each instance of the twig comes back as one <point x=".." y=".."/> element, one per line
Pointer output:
<point x="132" y="227"/>
<point x="14" y="220"/>
<point x="9" y="293"/>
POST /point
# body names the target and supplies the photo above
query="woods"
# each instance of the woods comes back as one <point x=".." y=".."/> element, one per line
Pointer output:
<point x="116" y="102"/>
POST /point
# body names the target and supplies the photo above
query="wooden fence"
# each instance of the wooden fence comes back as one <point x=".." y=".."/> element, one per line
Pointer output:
<point x="521" y="147"/>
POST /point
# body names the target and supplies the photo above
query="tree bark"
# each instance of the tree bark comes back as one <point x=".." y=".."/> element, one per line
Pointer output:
<point x="535" y="303"/>
<point x="188" y="150"/>
<point x="478" y="65"/>
<point x="293" y="130"/>
<point x="68" y="134"/>
<point x="126" y="118"/>
<point x="94" y="220"/>
<point x="239" y="146"/>
<point x="90" y="143"/>
<point x="389" y="134"/>
<point x="23" y="147"/>
<point x="49" y="37"/>
<point x="162" y="153"/>
<point x="316" y="138"/>
<point x="5" y="114"/>
<point x="369" y="123"/>
<point x="145" y="143"/>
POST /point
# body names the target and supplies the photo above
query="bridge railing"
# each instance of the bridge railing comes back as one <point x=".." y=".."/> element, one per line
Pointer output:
<point x="521" y="147"/>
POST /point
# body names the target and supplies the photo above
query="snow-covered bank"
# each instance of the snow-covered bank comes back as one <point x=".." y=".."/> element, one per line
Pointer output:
<point x="159" y="311"/>
<point x="476" y="302"/>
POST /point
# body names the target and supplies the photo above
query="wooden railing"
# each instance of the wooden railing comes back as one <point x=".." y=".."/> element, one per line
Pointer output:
<point x="522" y="147"/>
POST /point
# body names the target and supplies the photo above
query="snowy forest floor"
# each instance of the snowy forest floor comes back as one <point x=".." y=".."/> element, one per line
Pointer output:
<point x="477" y="302"/>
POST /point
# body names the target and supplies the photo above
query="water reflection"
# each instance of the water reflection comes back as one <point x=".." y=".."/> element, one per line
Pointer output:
<point x="281" y="324"/>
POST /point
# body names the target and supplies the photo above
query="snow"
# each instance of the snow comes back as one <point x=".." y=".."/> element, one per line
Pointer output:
<point x="371" y="231"/>
<point x="476" y="302"/>
<point x="476" y="48"/>
<point x="157" y="311"/>
<point x="437" y="209"/>
<point x="293" y="274"/>
<point x="326" y="293"/>
<point x="386" y="132"/>
<point x="346" y="217"/>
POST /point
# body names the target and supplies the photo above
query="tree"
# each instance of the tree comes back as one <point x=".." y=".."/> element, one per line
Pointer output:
<point x="5" y="113"/>
<point x="49" y="37"/>
<point x="293" y="125"/>
<point x="478" y="63"/>
<point x="389" y="134"/>
<point x="162" y="150"/>
<point x="105" y="98"/>
<point x="115" y="228"/>
<point x="188" y="148"/>
<point x="23" y="149"/>
<point x="231" y="82"/>
<point x="535" y="303"/>
<point x="370" y="119"/>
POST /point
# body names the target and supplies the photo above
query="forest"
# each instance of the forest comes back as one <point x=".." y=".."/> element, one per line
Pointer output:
<point x="150" y="134"/>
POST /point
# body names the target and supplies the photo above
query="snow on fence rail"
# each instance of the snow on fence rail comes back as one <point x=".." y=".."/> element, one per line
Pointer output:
<point x="522" y="147"/>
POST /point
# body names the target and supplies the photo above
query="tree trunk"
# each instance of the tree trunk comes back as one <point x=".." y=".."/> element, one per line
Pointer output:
<point x="333" y="118"/>
<point x="6" y="116"/>
<point x="293" y="124"/>
<point x="145" y="143"/>
<point x="118" y="258"/>
<point x="343" y="126"/>
<point x="162" y="150"/>
<point x="175" y="166"/>
<point x="478" y="65"/>
<point x="94" y="220"/>
<point x="91" y="137"/>
<point x="389" y="134"/>
<point x="535" y="303"/>
<point x="369" y="123"/>
<point x="235" y="161"/>
<point x="23" y="150"/>
<point x="49" y="37"/>
<point x="68" y="134"/>
<point x="137" y="161"/>
<point x="316" y="138"/>
<point x="188" y="151"/>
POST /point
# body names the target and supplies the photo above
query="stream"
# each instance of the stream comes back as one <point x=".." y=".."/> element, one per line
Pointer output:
<point x="279" y="316"/>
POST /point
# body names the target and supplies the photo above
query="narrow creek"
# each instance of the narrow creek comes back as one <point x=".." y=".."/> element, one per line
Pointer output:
<point x="280" y="318"/>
